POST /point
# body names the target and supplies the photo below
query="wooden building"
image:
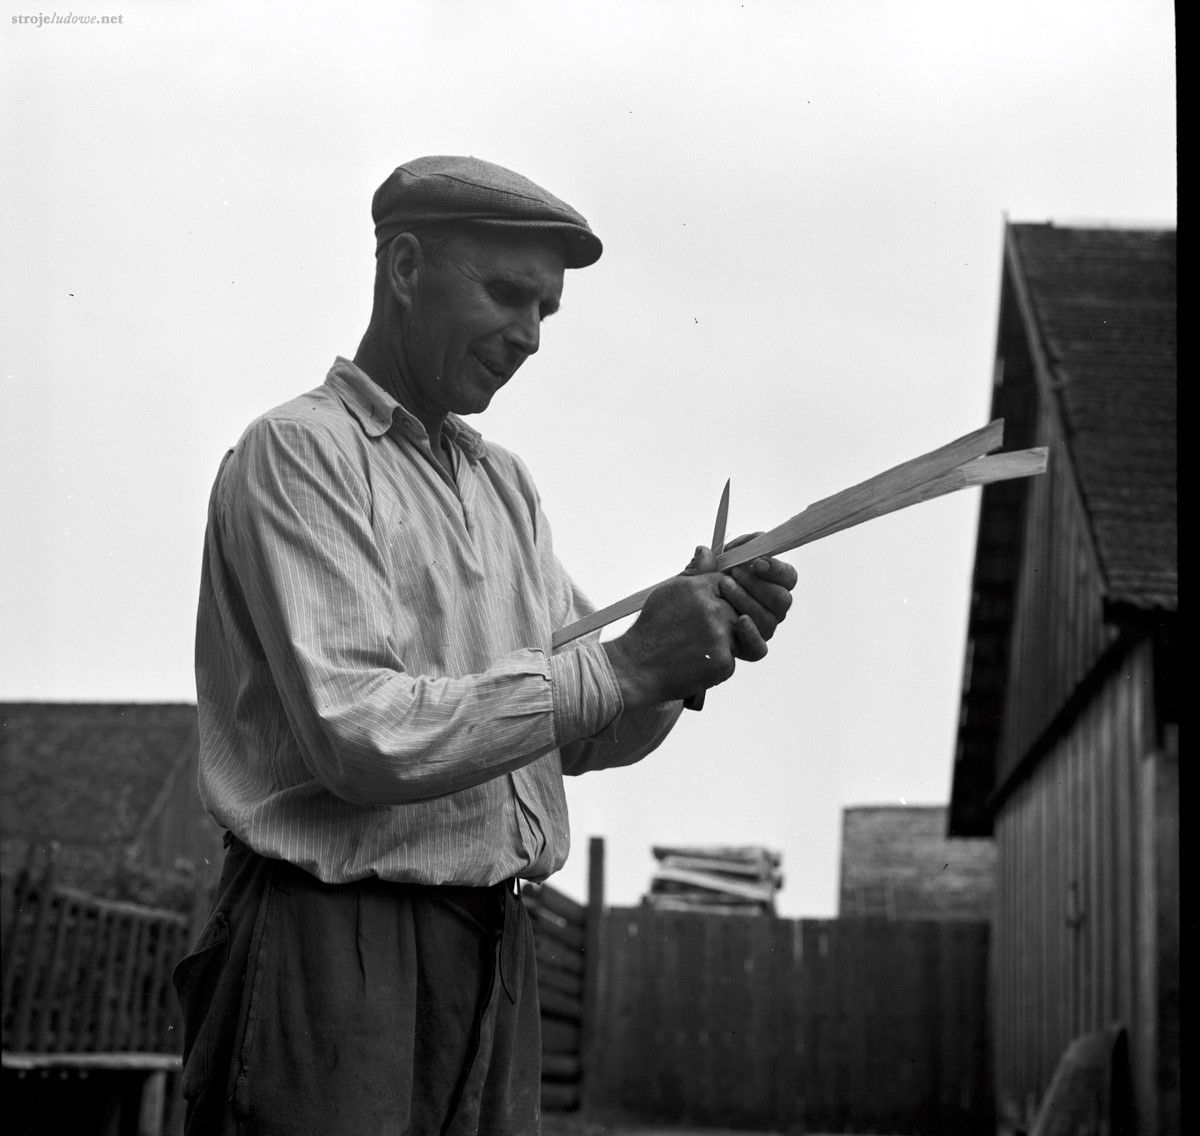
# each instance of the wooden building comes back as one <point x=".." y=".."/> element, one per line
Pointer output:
<point x="898" y="863"/>
<point x="1067" y="748"/>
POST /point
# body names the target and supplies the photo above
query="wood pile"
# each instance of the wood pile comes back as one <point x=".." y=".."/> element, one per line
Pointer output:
<point x="717" y="879"/>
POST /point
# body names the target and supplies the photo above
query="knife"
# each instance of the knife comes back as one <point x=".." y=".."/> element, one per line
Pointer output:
<point x="696" y="701"/>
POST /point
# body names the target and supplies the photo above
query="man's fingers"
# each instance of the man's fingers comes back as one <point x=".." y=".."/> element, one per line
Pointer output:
<point x="745" y="602"/>
<point x="774" y="597"/>
<point x="749" y="644"/>
<point x="774" y="571"/>
<point x="703" y="560"/>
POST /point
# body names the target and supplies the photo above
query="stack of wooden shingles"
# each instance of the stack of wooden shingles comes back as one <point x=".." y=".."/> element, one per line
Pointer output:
<point x="721" y="879"/>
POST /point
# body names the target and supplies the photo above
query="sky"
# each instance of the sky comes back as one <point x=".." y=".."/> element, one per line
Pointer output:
<point x="802" y="205"/>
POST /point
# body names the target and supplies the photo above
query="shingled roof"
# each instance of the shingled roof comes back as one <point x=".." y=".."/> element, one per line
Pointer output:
<point x="86" y="775"/>
<point x="1104" y="302"/>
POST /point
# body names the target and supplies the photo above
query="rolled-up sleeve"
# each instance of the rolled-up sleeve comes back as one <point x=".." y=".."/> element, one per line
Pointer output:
<point x="630" y="735"/>
<point x="627" y="735"/>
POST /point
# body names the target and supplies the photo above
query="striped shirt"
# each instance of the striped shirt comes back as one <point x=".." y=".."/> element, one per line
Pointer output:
<point x="376" y="690"/>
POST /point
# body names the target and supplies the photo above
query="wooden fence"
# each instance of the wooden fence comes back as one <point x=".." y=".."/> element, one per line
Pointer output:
<point x="87" y="993"/>
<point x="87" y="975"/>
<point x="852" y="1025"/>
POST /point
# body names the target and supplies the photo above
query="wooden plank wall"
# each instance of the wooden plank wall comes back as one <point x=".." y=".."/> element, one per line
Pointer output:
<point x="851" y="1025"/>
<point x="1058" y="628"/>
<point x="1073" y="927"/>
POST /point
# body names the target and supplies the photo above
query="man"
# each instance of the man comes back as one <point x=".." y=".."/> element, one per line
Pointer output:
<point x="383" y="725"/>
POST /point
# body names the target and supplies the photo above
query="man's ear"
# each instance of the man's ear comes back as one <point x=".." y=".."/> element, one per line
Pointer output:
<point x="404" y="264"/>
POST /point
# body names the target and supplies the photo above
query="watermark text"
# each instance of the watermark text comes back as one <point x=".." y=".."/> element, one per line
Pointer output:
<point x="41" y="19"/>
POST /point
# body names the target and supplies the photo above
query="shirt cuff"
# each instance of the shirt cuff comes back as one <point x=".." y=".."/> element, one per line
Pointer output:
<point x="586" y="695"/>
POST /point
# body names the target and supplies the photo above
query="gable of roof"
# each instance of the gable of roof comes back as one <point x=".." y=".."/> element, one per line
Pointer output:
<point x="86" y="775"/>
<point x="1102" y="307"/>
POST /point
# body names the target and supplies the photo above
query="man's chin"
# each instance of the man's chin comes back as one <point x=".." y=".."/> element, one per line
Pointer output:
<point x="475" y="401"/>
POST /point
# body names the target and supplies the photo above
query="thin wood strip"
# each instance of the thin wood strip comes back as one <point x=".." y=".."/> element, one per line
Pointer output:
<point x="174" y="1019"/>
<point x="56" y="991"/>
<point x="122" y="907"/>
<point x="561" y="1067"/>
<point x="110" y="948"/>
<point x="132" y="1061"/>
<point x="736" y="868"/>
<point x="789" y="536"/>
<point x="832" y="511"/>
<point x="897" y="479"/>
<point x="23" y="887"/>
<point x="92" y="980"/>
<point x="72" y="1032"/>
<point x="162" y="940"/>
<point x="127" y="993"/>
<point x="709" y="882"/>
<point x="33" y="980"/>
<point x="169" y="1007"/>
<point x="568" y="959"/>
<point x="556" y="1004"/>
<point x="564" y="934"/>
<point x="959" y="465"/>
<point x="979" y="471"/>
<point x="138" y="989"/>
<point x="560" y="1036"/>
<point x="156" y="983"/>
<point x="559" y="1097"/>
<point x="564" y="981"/>
<point x="557" y="903"/>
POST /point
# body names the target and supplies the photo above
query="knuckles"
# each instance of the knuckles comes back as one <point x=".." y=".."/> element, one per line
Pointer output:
<point x="719" y="666"/>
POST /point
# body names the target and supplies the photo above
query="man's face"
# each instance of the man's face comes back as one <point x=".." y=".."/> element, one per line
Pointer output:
<point x="475" y="318"/>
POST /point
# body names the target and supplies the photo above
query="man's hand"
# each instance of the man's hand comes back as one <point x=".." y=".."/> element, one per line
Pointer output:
<point x="761" y="594"/>
<point x="682" y="641"/>
<point x="693" y="628"/>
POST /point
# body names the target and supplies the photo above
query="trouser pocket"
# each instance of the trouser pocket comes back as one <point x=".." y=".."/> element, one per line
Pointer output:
<point x="197" y="979"/>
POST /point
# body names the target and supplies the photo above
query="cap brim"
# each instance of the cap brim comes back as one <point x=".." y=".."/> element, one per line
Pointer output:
<point x="581" y="247"/>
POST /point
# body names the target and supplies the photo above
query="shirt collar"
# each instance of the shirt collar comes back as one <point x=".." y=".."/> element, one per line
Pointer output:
<point x="376" y="411"/>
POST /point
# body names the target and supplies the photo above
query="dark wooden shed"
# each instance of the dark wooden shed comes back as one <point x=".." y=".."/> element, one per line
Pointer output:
<point x="1067" y="748"/>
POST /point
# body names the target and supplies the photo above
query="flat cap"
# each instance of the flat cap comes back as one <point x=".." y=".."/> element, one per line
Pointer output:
<point x="449" y="188"/>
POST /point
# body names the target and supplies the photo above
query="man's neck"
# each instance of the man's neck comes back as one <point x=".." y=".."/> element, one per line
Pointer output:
<point x="382" y="368"/>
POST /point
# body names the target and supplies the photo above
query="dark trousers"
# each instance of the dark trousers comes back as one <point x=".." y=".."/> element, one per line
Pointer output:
<point x="361" y="1009"/>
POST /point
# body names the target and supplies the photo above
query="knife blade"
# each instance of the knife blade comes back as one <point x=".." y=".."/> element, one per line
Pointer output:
<point x="696" y="701"/>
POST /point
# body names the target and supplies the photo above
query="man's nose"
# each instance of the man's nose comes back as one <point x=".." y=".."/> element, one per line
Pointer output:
<point x="525" y="331"/>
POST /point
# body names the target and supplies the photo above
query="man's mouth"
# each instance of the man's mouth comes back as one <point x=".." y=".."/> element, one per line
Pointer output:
<point x="498" y="373"/>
